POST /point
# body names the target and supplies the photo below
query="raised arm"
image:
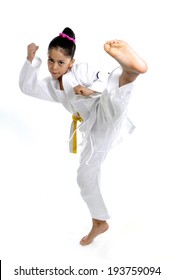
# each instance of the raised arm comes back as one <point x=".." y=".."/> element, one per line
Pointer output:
<point x="29" y="81"/>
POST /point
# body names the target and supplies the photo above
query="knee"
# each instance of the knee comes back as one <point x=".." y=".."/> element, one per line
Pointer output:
<point x="87" y="178"/>
<point x="82" y="178"/>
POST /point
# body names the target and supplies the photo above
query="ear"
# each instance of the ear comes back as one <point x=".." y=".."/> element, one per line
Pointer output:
<point x="71" y="63"/>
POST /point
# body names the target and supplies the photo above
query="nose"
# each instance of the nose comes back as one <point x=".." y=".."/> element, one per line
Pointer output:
<point x="54" y="66"/>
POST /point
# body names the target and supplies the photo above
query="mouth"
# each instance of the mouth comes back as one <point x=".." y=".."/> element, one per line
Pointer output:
<point x="54" y="74"/>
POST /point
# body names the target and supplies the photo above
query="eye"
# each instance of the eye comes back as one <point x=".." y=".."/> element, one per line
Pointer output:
<point x="50" y="60"/>
<point x="61" y="62"/>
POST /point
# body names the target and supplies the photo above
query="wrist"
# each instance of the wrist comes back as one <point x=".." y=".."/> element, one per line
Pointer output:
<point x="29" y="59"/>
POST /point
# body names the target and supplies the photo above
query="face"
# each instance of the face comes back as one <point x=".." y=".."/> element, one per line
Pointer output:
<point x="58" y="63"/>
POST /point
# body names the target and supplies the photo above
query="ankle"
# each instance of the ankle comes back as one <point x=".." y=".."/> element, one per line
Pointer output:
<point x="99" y="222"/>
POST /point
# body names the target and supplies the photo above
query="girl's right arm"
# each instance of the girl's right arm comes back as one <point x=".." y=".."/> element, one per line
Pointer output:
<point x="29" y="82"/>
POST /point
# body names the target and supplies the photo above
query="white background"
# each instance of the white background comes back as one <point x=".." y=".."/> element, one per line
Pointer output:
<point x="42" y="216"/>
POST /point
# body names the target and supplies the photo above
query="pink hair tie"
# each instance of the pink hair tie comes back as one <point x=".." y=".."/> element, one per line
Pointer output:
<point x="67" y="37"/>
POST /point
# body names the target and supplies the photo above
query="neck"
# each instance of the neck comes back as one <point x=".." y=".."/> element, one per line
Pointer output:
<point x="60" y="83"/>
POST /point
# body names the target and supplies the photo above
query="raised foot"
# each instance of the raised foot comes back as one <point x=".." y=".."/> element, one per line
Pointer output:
<point x="125" y="56"/>
<point x="98" y="227"/>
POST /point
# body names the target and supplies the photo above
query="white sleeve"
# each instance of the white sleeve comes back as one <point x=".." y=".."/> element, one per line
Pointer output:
<point x="31" y="85"/>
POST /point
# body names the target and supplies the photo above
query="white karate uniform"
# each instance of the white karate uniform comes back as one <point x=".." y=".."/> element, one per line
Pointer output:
<point x="104" y="115"/>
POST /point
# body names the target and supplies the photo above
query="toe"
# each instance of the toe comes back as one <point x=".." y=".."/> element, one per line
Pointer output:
<point x="83" y="240"/>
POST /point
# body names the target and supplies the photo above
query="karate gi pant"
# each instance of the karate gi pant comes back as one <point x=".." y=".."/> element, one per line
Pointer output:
<point x="111" y="116"/>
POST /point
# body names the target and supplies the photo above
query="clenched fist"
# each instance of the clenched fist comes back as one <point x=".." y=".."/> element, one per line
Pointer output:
<point x="32" y="48"/>
<point x="83" y="90"/>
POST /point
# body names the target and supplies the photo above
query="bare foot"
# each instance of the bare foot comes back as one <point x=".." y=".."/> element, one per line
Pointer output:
<point x="125" y="56"/>
<point x="97" y="228"/>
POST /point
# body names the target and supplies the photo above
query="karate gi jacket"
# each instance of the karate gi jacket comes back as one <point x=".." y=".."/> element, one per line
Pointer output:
<point x="86" y="106"/>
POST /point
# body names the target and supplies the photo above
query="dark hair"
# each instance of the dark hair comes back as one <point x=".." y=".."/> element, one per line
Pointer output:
<point x="67" y="45"/>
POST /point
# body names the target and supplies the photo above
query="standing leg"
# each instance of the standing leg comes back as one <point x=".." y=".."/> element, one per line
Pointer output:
<point x="88" y="178"/>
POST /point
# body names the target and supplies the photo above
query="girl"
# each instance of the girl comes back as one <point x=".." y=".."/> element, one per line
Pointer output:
<point x="99" y="102"/>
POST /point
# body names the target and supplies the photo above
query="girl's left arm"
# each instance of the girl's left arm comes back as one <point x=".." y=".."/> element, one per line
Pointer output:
<point x="91" y="80"/>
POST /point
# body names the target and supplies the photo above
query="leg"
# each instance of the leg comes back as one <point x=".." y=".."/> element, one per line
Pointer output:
<point x="131" y="63"/>
<point x="88" y="179"/>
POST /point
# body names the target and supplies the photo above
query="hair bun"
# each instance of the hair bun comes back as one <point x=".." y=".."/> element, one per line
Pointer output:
<point x="68" y="31"/>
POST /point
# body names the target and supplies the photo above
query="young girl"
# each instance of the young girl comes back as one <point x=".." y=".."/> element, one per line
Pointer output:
<point x="99" y="103"/>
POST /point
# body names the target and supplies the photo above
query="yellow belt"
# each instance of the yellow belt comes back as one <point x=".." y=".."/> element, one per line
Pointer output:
<point x="74" y="138"/>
